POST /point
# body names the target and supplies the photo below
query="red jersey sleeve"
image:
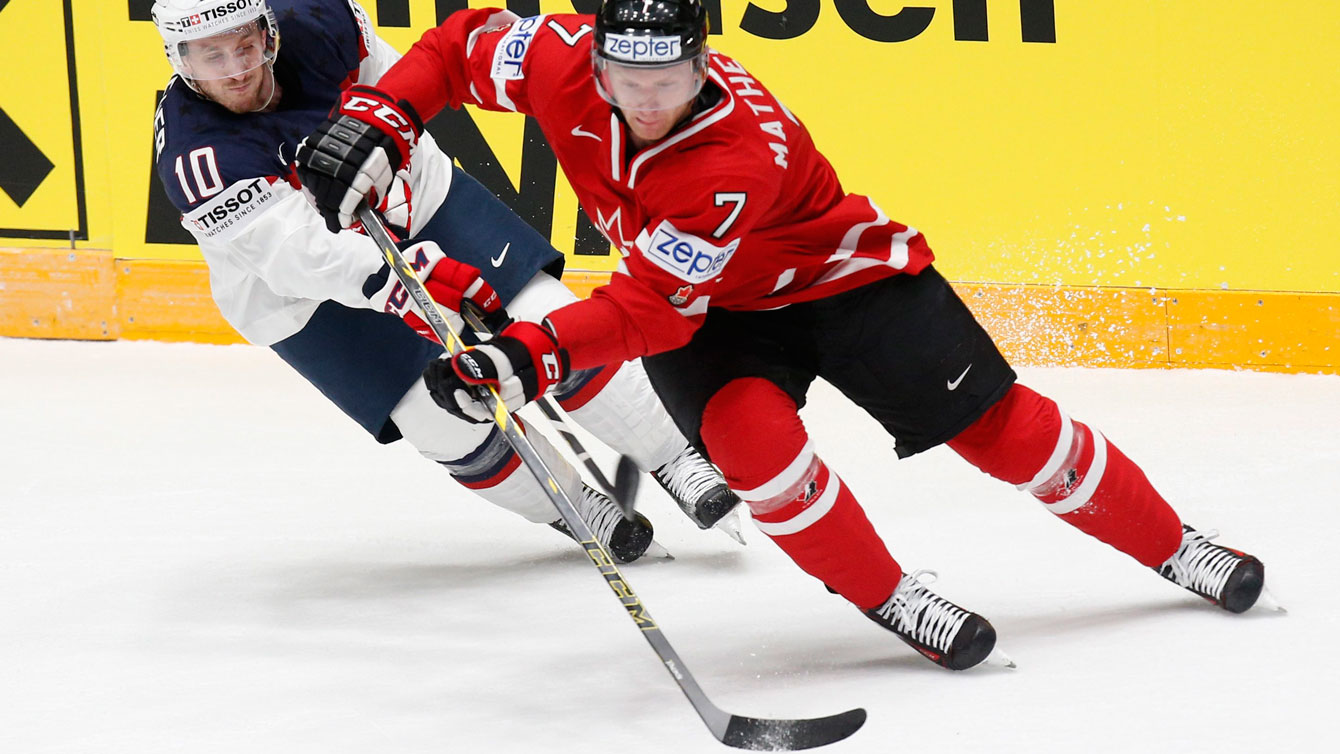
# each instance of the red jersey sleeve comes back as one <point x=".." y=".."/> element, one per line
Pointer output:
<point x="620" y="322"/>
<point x="486" y="57"/>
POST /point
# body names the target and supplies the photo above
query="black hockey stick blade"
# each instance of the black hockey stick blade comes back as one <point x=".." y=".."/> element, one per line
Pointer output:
<point x="758" y="734"/>
<point x="627" y="476"/>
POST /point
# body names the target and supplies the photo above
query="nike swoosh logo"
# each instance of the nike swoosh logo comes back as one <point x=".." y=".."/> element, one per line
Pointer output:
<point x="282" y="161"/>
<point x="498" y="260"/>
<point x="954" y="384"/>
<point x="579" y="131"/>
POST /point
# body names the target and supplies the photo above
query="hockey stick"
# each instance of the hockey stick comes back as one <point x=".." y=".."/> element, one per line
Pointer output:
<point x="623" y="490"/>
<point x="733" y="730"/>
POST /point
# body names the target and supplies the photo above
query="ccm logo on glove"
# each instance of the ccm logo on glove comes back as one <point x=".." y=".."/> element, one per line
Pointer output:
<point x="551" y="367"/>
<point x="384" y="113"/>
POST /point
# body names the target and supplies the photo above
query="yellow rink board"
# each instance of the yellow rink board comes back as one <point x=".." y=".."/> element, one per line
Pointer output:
<point x="168" y="300"/>
<point x="57" y="293"/>
<point x="1126" y="184"/>
<point x="49" y="293"/>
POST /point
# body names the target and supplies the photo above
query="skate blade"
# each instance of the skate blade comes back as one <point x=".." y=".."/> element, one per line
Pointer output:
<point x="729" y="525"/>
<point x="1268" y="603"/>
<point x="655" y="550"/>
<point x="998" y="659"/>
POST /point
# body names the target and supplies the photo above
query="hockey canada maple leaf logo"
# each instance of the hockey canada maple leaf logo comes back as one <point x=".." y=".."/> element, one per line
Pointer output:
<point x="681" y="295"/>
<point x="610" y="224"/>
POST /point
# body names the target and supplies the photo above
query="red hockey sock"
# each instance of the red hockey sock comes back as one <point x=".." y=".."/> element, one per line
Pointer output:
<point x="1074" y="471"/>
<point x="754" y="435"/>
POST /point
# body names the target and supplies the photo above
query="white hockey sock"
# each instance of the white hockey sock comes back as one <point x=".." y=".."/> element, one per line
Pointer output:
<point x="629" y="417"/>
<point x="520" y="492"/>
<point x="626" y="414"/>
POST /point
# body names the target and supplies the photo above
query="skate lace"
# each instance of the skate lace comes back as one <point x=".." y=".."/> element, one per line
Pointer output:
<point x="922" y="614"/>
<point x="688" y="477"/>
<point x="600" y="513"/>
<point x="1201" y="566"/>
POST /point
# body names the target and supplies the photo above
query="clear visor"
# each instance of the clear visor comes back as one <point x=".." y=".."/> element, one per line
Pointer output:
<point x="649" y="88"/>
<point x="235" y="52"/>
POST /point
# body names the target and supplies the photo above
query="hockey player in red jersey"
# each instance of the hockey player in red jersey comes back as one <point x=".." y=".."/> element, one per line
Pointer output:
<point x="747" y="272"/>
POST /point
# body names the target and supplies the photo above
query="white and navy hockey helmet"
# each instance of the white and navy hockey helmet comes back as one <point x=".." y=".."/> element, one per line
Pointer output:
<point x="650" y="54"/>
<point x="181" y="22"/>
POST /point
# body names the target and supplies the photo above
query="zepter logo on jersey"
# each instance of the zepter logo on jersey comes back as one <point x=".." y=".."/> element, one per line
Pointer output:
<point x="511" y="51"/>
<point x="686" y="256"/>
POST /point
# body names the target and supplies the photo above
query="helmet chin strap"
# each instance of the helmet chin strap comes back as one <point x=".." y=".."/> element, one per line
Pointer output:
<point x="274" y="84"/>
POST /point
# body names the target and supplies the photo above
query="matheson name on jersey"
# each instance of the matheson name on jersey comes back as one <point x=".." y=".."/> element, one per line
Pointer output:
<point x="225" y="215"/>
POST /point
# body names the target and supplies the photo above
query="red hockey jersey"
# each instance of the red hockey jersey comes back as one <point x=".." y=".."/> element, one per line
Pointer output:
<point x="734" y="209"/>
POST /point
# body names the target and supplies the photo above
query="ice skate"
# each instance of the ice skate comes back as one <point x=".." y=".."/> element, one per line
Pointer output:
<point x="1229" y="578"/>
<point x="945" y="633"/>
<point x="700" y="491"/>
<point x="626" y="540"/>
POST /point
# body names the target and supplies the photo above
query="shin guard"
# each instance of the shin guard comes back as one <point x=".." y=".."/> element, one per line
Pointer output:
<point x="752" y="431"/>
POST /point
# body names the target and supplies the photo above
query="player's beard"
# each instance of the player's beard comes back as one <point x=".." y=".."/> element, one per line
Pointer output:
<point x="252" y="92"/>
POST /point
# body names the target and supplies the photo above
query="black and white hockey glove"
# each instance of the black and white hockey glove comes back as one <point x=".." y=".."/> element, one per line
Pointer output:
<point x="354" y="154"/>
<point x="521" y="363"/>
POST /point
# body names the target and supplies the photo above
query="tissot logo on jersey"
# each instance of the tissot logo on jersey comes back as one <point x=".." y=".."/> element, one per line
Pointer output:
<point x="642" y="49"/>
<point x="512" y="49"/>
<point x="228" y="212"/>
<point x="687" y="256"/>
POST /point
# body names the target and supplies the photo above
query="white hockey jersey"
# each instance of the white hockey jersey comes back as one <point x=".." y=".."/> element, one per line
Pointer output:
<point x="271" y="259"/>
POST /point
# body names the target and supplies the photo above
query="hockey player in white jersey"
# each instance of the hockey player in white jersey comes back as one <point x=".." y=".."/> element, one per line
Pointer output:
<point x="323" y="299"/>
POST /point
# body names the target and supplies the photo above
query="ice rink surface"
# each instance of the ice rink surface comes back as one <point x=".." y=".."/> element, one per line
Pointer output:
<point x="199" y="554"/>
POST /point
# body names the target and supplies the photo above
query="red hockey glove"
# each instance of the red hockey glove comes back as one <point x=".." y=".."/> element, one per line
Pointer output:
<point x="521" y="364"/>
<point x="354" y="154"/>
<point x="449" y="282"/>
<point x="455" y="284"/>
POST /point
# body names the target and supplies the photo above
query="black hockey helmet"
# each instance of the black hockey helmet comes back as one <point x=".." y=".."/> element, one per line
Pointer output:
<point x="650" y="34"/>
<point x="678" y="26"/>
